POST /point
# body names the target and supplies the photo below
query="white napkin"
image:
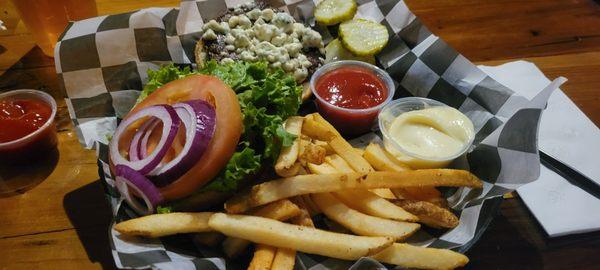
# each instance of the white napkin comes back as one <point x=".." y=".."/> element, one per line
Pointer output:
<point x="570" y="137"/>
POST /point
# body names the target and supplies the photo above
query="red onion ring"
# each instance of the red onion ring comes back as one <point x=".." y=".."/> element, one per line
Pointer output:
<point x="143" y="150"/>
<point x="135" y="149"/>
<point x="199" y="119"/>
<point x="127" y="178"/>
<point x="164" y="113"/>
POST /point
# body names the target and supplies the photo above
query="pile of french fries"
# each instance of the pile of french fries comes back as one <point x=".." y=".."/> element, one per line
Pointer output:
<point x="374" y="201"/>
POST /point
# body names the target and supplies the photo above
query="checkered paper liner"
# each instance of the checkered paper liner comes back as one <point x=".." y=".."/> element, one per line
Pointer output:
<point x="102" y="64"/>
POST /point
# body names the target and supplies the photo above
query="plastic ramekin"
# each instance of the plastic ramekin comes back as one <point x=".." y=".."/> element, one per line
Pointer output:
<point x="415" y="161"/>
<point x="35" y="144"/>
<point x="351" y="121"/>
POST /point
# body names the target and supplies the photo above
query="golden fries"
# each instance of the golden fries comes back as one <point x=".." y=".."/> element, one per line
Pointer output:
<point x="305" y="184"/>
<point x="347" y="152"/>
<point x="324" y="168"/>
<point x="310" y="240"/>
<point x="337" y="162"/>
<point x="371" y="204"/>
<point x="279" y="210"/>
<point x="312" y="153"/>
<point x="430" y="214"/>
<point x="285" y="259"/>
<point x="317" y="130"/>
<point x="428" y="194"/>
<point x="325" y="145"/>
<point x="409" y="256"/>
<point x="377" y="156"/>
<point x="360" y="223"/>
<point x="262" y="258"/>
<point x="286" y="162"/>
<point x="385" y="193"/>
<point x="160" y="225"/>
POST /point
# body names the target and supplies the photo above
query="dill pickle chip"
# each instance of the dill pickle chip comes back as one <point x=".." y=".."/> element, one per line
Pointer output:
<point x="330" y="12"/>
<point x="363" y="37"/>
<point x="334" y="51"/>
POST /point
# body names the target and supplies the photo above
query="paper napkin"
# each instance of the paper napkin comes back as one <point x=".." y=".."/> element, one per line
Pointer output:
<point x="570" y="137"/>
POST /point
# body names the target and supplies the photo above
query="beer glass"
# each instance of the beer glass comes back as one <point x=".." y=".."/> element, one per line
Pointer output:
<point x="47" y="19"/>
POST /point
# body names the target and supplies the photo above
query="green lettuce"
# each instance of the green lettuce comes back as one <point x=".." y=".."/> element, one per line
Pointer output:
<point x="157" y="78"/>
<point x="267" y="97"/>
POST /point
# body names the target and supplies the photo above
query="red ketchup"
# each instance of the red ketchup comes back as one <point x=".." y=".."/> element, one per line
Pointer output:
<point x="21" y="117"/>
<point x="349" y="97"/>
<point x="24" y="132"/>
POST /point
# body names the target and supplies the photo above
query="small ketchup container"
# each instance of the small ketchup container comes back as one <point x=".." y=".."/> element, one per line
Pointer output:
<point x="30" y="116"/>
<point x="350" y="94"/>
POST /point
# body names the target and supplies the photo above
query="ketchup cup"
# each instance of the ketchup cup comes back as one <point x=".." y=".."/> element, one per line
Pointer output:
<point x="351" y="121"/>
<point x="37" y="144"/>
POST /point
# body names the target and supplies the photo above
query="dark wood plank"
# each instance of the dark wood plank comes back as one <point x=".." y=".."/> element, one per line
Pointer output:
<point x="504" y="29"/>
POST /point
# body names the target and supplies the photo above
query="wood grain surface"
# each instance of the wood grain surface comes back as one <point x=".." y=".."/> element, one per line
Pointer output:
<point x="61" y="222"/>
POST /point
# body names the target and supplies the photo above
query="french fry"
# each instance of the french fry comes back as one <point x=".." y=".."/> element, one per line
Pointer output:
<point x="325" y="145"/>
<point x="307" y="206"/>
<point x="383" y="161"/>
<point x="303" y="219"/>
<point x="363" y="200"/>
<point x="360" y="223"/>
<point x="286" y="162"/>
<point x="408" y="256"/>
<point x="324" y="168"/>
<point x="262" y="258"/>
<point x="305" y="184"/>
<point x="377" y="157"/>
<point x="210" y="239"/>
<point x="312" y="206"/>
<point x="239" y="203"/>
<point x="385" y="193"/>
<point x="342" y="147"/>
<point x="285" y="259"/>
<point x="159" y="225"/>
<point x="371" y="204"/>
<point x="428" y="194"/>
<point x="304" y="239"/>
<point x="279" y="210"/>
<point x="340" y="165"/>
<point x="317" y="130"/>
<point x="359" y="151"/>
<point x="319" y="118"/>
<point x="312" y="153"/>
<point x="302" y="171"/>
<point x="347" y="152"/>
<point x="430" y="214"/>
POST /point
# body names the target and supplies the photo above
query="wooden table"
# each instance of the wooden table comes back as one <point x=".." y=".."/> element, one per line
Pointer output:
<point x="62" y="222"/>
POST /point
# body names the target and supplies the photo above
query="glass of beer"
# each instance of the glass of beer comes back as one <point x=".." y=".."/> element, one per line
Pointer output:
<point x="47" y="19"/>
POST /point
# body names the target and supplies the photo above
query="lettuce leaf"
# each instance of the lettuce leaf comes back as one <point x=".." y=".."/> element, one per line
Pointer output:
<point x="157" y="78"/>
<point x="267" y="97"/>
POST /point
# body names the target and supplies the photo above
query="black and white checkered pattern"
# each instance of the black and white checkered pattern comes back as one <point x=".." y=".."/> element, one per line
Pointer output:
<point x="102" y="64"/>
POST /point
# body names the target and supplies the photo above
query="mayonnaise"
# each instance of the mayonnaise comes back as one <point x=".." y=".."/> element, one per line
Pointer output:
<point x="429" y="138"/>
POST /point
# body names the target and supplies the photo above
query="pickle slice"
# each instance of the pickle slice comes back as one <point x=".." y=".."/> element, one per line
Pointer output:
<point x="335" y="51"/>
<point x="363" y="37"/>
<point x="330" y="12"/>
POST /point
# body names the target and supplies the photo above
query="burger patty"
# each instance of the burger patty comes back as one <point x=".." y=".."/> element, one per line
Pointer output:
<point x="256" y="32"/>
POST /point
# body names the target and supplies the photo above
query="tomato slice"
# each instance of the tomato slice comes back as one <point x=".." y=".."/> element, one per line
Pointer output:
<point x="227" y="132"/>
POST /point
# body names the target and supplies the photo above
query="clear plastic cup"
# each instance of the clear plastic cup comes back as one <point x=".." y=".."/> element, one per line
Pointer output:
<point x="415" y="161"/>
<point x="35" y="144"/>
<point x="351" y="121"/>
